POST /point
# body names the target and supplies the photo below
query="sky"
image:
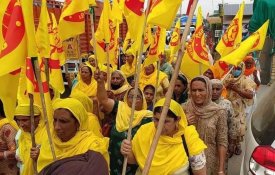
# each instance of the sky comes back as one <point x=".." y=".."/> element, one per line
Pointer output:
<point x="211" y="5"/>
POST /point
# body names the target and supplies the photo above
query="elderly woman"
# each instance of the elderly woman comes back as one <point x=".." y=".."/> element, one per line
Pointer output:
<point x="149" y="76"/>
<point x="86" y="83"/>
<point x="70" y="135"/>
<point x="210" y="121"/>
<point x="25" y="153"/>
<point x="120" y="112"/>
<point x="170" y="156"/>
<point x="7" y="144"/>
<point x="119" y="85"/>
<point x="180" y="93"/>
<point x="129" y="67"/>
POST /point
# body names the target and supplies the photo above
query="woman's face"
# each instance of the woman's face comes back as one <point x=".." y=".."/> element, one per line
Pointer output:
<point x="65" y="125"/>
<point x="117" y="79"/>
<point x="216" y="91"/>
<point x="208" y="73"/>
<point x="24" y="122"/>
<point x="179" y="87"/>
<point x="92" y="62"/>
<point x="139" y="100"/>
<point x="170" y="125"/>
<point x="149" y="69"/>
<point x="198" y="92"/>
<point x="129" y="59"/>
<point x="85" y="74"/>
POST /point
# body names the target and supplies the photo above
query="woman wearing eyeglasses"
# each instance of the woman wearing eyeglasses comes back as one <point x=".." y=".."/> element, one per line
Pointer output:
<point x="120" y="112"/>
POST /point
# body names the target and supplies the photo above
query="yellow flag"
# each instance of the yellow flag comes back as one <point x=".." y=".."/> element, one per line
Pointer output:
<point x="148" y="38"/>
<point x="262" y="35"/>
<point x="175" y="39"/>
<point x="14" y="41"/>
<point x="232" y="35"/>
<point x="127" y="41"/>
<point x="3" y="8"/>
<point x="8" y="92"/>
<point x="92" y="2"/>
<point x="195" y="60"/>
<point x="163" y="12"/>
<point x="157" y="47"/>
<point x="42" y="35"/>
<point x="237" y="56"/>
<point x="57" y="56"/>
<point x="72" y="19"/>
<point x="117" y="11"/>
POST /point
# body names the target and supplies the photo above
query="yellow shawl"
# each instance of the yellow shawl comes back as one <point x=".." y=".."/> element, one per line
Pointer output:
<point x="6" y="121"/>
<point x="170" y="154"/>
<point x="24" y="140"/>
<point x="151" y="79"/>
<point x="125" y="85"/>
<point x="80" y="143"/>
<point x="124" y="112"/>
<point x="128" y="69"/>
<point x="89" y="89"/>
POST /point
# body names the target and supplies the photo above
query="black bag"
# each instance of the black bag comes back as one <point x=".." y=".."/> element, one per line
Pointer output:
<point x="187" y="152"/>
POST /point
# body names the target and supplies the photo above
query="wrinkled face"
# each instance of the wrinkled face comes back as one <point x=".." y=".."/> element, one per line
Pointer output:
<point x="149" y="69"/>
<point x="198" y="92"/>
<point x="117" y="79"/>
<point x="149" y="95"/>
<point x="85" y="74"/>
<point x="208" y="73"/>
<point x="216" y="91"/>
<point x="65" y="125"/>
<point x="139" y="100"/>
<point x="24" y="122"/>
<point x="169" y="127"/>
<point x="92" y="62"/>
<point x="179" y="87"/>
<point x="129" y="59"/>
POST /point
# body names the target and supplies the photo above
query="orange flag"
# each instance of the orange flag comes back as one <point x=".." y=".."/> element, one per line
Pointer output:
<point x="232" y="35"/>
<point x="195" y="60"/>
<point x="72" y="19"/>
<point x="163" y="12"/>
<point x="14" y="42"/>
<point x="57" y="56"/>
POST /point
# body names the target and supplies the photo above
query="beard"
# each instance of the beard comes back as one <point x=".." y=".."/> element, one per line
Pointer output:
<point x="115" y="87"/>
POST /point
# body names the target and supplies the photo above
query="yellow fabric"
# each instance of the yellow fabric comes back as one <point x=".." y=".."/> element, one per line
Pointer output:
<point x="125" y="85"/>
<point x="6" y="121"/>
<point x="90" y="90"/>
<point x="152" y="78"/>
<point x="72" y="17"/>
<point x="124" y="113"/>
<point x="175" y="40"/>
<point x="126" y="41"/>
<point x="84" y="99"/>
<point x="237" y="56"/>
<point x="12" y="58"/>
<point x="92" y="3"/>
<point x="80" y="143"/>
<point x="163" y="13"/>
<point x="93" y="125"/>
<point x="24" y="141"/>
<point x="42" y="35"/>
<point x="126" y="68"/>
<point x="261" y="32"/>
<point x="195" y="60"/>
<point x="169" y="155"/>
<point x="148" y="38"/>
<point x="233" y="34"/>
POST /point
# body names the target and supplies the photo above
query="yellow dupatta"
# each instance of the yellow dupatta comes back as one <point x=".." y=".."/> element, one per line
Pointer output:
<point x="6" y="121"/>
<point x="150" y="79"/>
<point x="124" y="112"/>
<point x="125" y="85"/>
<point x="80" y="143"/>
<point x="24" y="141"/>
<point x="89" y="89"/>
<point x="170" y="154"/>
<point x="126" y="68"/>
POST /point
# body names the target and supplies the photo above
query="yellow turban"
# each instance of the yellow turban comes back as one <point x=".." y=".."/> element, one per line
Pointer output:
<point x="24" y="110"/>
<point x="76" y="108"/>
<point x="91" y="57"/>
<point x="130" y="51"/>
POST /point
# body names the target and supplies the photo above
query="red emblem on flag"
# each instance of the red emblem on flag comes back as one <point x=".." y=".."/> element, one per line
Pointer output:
<point x="231" y="33"/>
<point x="136" y="6"/>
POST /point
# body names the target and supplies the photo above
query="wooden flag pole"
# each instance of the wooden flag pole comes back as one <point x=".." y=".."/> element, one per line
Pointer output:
<point x="169" y="92"/>
<point x="38" y="78"/>
<point x="34" y="162"/>
<point x="137" y="74"/>
<point x="93" y="33"/>
<point x="108" y="67"/>
<point x="157" y="82"/>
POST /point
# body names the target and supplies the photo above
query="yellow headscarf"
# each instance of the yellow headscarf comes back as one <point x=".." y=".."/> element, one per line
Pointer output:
<point x="93" y="122"/>
<point x="6" y="121"/>
<point x="125" y="85"/>
<point x="124" y="112"/>
<point x="128" y="69"/>
<point x="170" y="154"/>
<point x="24" y="141"/>
<point x="80" y="143"/>
<point x="91" y="89"/>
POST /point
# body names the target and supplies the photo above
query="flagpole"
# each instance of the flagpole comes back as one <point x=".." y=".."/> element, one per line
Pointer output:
<point x="34" y="162"/>
<point x="38" y="78"/>
<point x="137" y="74"/>
<point x="169" y="93"/>
<point x="157" y="82"/>
<point x="92" y="14"/>
<point x="108" y="67"/>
